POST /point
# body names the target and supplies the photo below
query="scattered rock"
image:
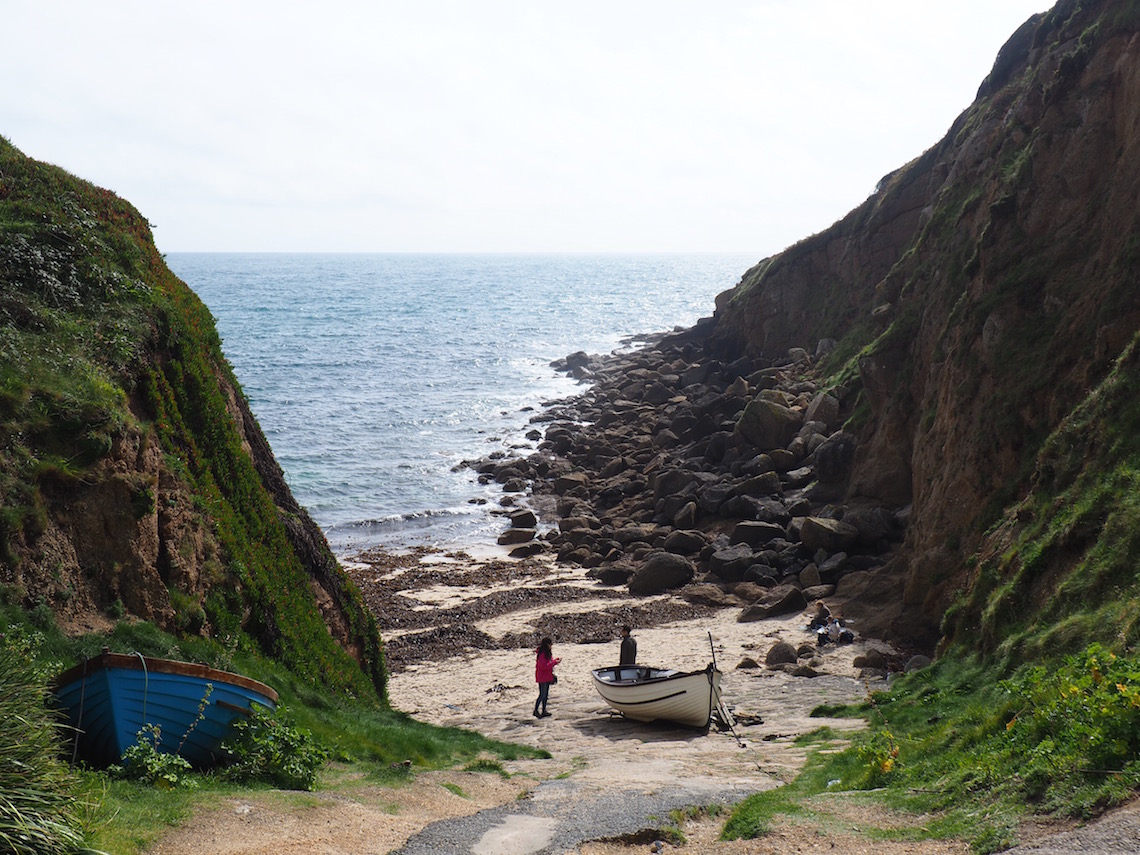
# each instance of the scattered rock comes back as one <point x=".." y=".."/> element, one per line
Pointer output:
<point x="781" y="653"/>
<point x="661" y="571"/>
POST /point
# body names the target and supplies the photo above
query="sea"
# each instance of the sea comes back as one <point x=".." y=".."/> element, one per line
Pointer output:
<point x="374" y="376"/>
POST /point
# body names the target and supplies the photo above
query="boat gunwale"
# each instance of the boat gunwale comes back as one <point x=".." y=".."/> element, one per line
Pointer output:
<point x="648" y="681"/>
<point x="110" y="661"/>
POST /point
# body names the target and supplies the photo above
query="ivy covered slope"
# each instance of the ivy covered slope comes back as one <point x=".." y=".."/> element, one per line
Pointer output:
<point x="134" y="481"/>
<point x="976" y="307"/>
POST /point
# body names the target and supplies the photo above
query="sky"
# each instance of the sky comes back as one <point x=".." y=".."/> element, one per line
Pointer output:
<point x="491" y="125"/>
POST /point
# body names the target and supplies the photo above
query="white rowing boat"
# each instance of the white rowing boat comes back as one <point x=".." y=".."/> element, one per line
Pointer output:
<point x="650" y="694"/>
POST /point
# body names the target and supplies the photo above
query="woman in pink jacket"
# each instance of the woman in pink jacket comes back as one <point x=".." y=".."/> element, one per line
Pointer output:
<point x="544" y="663"/>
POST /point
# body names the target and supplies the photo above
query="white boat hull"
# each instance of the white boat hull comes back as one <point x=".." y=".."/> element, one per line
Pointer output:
<point x="658" y="694"/>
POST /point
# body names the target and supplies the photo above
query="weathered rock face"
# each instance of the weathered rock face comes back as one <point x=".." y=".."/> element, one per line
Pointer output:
<point x="990" y="284"/>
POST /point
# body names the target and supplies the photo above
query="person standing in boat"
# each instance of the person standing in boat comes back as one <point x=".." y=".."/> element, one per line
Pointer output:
<point x="544" y="662"/>
<point x="628" y="647"/>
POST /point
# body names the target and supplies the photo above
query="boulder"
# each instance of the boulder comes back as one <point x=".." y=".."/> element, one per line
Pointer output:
<point x="569" y="481"/>
<point x="832" y="567"/>
<point x="686" y="517"/>
<point x="781" y="600"/>
<point x="611" y="574"/>
<point x="781" y="653"/>
<point x="707" y="594"/>
<point x="835" y="457"/>
<point x="818" y="592"/>
<point x="528" y="550"/>
<point x="523" y="518"/>
<point x="823" y="408"/>
<point x="872" y="659"/>
<point x="767" y="424"/>
<point x="661" y="571"/>
<point x="516" y="535"/>
<point x="731" y="562"/>
<point x="764" y="575"/>
<point x="685" y="542"/>
<point x="764" y="484"/>
<point x="827" y="534"/>
<point x="873" y="524"/>
<point x="755" y="534"/>
<point x="809" y="577"/>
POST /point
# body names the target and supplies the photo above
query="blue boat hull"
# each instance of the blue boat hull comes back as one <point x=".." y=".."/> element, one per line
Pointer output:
<point x="109" y="698"/>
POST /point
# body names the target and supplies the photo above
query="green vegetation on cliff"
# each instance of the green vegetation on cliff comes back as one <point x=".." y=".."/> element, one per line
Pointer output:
<point x="105" y="354"/>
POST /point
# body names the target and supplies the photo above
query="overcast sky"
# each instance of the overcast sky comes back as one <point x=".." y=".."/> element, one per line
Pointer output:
<point x="491" y="125"/>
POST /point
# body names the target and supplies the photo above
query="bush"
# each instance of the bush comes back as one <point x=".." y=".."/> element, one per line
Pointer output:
<point x="144" y="762"/>
<point x="270" y="748"/>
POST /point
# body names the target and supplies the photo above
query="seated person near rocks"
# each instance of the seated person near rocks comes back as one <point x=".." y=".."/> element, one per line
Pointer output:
<point x="820" y="616"/>
<point x="834" y="633"/>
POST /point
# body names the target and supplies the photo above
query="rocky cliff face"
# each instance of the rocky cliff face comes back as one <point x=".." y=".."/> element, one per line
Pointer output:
<point x="976" y="298"/>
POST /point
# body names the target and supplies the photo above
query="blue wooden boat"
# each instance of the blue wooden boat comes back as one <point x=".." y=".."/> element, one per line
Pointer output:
<point x="110" y="697"/>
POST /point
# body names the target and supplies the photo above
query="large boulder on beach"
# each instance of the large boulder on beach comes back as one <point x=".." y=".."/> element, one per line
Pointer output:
<point x="781" y="600"/>
<point x="661" y="571"/>
<point x="781" y="653"/>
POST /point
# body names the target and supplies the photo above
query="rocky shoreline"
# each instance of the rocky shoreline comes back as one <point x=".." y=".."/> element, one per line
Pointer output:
<point x="723" y="482"/>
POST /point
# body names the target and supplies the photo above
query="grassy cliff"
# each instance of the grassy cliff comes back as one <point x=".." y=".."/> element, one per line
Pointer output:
<point x="134" y="482"/>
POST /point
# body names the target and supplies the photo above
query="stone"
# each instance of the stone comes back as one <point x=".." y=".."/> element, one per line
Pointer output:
<point x="818" y="592"/>
<point x="569" y="481"/>
<point x="764" y="484"/>
<point x="528" y="550"/>
<point x="872" y="659"/>
<point x="661" y="571"/>
<point x="747" y="664"/>
<point x="516" y="535"/>
<point x="835" y="457"/>
<point x="755" y="534"/>
<point x="707" y="594"/>
<point x="731" y="562"/>
<point x="781" y="653"/>
<point x="684" y="542"/>
<point x="686" y="517"/>
<point x="809" y="577"/>
<point x="827" y="534"/>
<point x="832" y="567"/>
<point x="767" y="424"/>
<point x="873" y="524"/>
<point x="611" y="574"/>
<point x="823" y="408"/>
<point x="781" y="600"/>
<point x="523" y="518"/>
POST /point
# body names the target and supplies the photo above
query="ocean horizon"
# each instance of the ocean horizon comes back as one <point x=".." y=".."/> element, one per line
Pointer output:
<point x="375" y="375"/>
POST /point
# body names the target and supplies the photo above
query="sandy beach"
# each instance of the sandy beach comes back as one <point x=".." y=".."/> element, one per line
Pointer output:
<point x="461" y="631"/>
